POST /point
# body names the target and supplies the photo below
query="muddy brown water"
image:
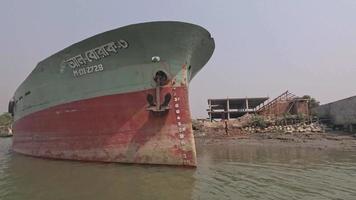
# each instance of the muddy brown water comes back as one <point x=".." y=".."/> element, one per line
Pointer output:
<point x="224" y="172"/>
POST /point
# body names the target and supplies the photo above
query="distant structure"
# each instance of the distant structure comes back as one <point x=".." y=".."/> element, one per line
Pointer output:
<point x="340" y="114"/>
<point x="233" y="107"/>
<point x="286" y="103"/>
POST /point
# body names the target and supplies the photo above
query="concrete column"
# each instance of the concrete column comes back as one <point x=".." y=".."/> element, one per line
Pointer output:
<point x="209" y="102"/>
<point x="246" y="101"/>
<point x="351" y="128"/>
<point x="228" y="108"/>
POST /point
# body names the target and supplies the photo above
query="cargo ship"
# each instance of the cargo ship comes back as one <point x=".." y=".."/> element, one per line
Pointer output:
<point x="119" y="96"/>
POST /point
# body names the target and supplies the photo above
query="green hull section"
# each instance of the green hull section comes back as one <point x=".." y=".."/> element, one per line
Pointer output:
<point x="118" y="61"/>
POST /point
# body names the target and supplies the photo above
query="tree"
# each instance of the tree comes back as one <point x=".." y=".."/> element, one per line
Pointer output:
<point x="5" y="119"/>
<point x="312" y="101"/>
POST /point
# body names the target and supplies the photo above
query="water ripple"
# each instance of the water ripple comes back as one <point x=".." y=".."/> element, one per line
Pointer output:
<point x="224" y="172"/>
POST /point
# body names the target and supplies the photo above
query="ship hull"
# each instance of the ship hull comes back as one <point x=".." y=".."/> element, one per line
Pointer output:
<point x="114" y="128"/>
<point x="120" y="96"/>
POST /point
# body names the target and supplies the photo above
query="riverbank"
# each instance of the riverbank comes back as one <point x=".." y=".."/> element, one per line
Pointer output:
<point x="328" y="140"/>
<point x="5" y="125"/>
<point x="311" y="136"/>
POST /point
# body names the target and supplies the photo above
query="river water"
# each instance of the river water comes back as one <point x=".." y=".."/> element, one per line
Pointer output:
<point x="224" y="172"/>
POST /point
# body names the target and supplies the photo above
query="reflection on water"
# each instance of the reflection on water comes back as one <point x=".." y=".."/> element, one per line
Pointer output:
<point x="224" y="172"/>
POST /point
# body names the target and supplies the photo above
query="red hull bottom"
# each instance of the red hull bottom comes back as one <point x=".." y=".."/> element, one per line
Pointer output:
<point x="115" y="128"/>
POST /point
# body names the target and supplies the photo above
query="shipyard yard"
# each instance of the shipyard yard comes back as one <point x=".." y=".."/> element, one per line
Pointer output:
<point x="178" y="100"/>
<point x="311" y="136"/>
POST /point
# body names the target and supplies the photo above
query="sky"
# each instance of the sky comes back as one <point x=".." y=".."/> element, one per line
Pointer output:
<point x="263" y="48"/>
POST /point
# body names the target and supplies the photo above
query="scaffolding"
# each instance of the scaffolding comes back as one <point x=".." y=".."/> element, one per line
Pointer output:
<point x="286" y="103"/>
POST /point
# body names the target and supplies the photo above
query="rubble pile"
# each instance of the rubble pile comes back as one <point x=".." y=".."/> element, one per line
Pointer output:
<point x="5" y="131"/>
<point x="203" y="127"/>
<point x="295" y="128"/>
<point x="248" y="124"/>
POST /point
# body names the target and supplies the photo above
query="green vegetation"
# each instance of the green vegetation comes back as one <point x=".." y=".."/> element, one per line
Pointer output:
<point x="259" y="121"/>
<point x="5" y="119"/>
<point x="312" y="102"/>
<point x="291" y="119"/>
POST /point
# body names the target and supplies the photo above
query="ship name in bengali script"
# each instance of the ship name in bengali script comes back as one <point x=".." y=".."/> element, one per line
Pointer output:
<point x="78" y="61"/>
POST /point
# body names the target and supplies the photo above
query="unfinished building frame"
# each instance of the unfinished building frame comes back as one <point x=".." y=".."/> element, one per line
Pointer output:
<point x="233" y="107"/>
<point x="286" y="103"/>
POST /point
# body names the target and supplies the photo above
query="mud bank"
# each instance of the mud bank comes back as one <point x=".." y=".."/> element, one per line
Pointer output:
<point x="317" y="137"/>
<point x="342" y="141"/>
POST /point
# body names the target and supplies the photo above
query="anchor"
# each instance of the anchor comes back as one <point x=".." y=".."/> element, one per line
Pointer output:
<point x="154" y="104"/>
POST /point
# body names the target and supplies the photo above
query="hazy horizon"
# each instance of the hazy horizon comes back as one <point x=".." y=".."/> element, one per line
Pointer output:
<point x="262" y="48"/>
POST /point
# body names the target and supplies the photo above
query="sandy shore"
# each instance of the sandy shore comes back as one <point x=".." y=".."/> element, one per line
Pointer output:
<point x="327" y="140"/>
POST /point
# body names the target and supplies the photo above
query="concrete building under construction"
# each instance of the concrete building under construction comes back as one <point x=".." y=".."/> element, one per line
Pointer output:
<point x="286" y="103"/>
<point x="233" y="107"/>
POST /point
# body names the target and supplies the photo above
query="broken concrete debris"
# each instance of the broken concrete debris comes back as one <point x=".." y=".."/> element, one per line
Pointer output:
<point x="257" y="124"/>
